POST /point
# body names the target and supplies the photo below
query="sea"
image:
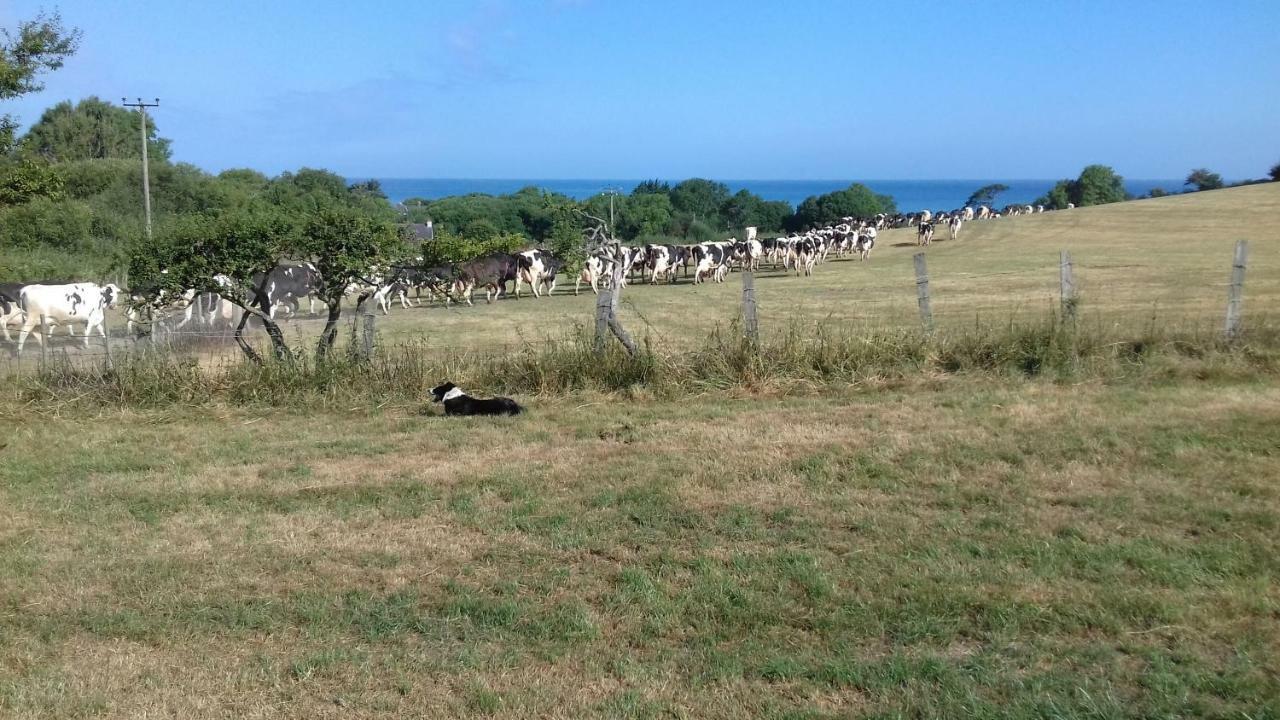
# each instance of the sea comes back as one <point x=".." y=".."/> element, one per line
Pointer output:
<point x="910" y="195"/>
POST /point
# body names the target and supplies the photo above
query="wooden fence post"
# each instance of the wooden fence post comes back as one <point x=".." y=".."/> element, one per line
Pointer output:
<point x="1067" y="286"/>
<point x="106" y="338"/>
<point x="366" y="336"/>
<point x="750" y="323"/>
<point x="44" y="340"/>
<point x="1235" y="292"/>
<point x="603" y="302"/>
<point x="922" y="291"/>
<point x="607" y="309"/>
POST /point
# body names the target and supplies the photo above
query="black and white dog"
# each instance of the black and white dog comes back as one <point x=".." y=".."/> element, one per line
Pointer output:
<point x="457" y="402"/>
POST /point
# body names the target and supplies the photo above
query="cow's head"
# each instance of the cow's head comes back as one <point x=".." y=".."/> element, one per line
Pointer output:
<point x="110" y="294"/>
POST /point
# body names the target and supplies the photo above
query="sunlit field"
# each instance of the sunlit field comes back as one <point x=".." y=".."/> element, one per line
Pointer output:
<point x="1165" y="261"/>
<point x="958" y="544"/>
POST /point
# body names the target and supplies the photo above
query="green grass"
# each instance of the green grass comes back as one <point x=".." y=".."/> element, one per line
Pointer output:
<point x="1162" y="262"/>
<point x="1010" y="518"/>
<point x="966" y="546"/>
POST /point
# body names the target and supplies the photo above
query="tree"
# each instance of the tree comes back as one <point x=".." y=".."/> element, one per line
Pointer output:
<point x="26" y="179"/>
<point x="36" y="47"/>
<point x="1058" y="197"/>
<point x="92" y="129"/>
<point x="1157" y="192"/>
<point x="644" y="214"/>
<point x="652" y="187"/>
<point x="701" y="198"/>
<point x="371" y="187"/>
<point x="343" y="245"/>
<point x="480" y="230"/>
<point x="1098" y="185"/>
<point x="857" y="200"/>
<point x="199" y="251"/>
<point x="986" y="195"/>
<point x="1203" y="179"/>
<point x="1275" y="172"/>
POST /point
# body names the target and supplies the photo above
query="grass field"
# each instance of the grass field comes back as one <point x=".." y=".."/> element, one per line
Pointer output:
<point x="963" y="544"/>
<point x="1164" y="261"/>
<point x="1168" y="258"/>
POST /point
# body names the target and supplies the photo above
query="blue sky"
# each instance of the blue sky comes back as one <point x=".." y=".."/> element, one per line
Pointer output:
<point x="592" y="88"/>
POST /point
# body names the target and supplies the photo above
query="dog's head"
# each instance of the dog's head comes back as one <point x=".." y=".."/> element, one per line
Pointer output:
<point x="438" y="392"/>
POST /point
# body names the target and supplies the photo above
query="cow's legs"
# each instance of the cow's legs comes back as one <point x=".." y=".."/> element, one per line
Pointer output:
<point x="28" y="324"/>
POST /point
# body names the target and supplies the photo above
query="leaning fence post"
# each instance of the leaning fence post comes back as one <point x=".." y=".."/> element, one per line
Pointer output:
<point x="922" y="291"/>
<point x="1235" y="293"/>
<point x="1067" y="286"/>
<point x="750" y="324"/>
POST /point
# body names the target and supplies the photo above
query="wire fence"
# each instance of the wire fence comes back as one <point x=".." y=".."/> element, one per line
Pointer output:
<point x="669" y="316"/>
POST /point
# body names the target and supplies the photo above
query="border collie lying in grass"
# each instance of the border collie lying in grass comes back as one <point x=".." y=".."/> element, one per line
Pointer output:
<point x="457" y="402"/>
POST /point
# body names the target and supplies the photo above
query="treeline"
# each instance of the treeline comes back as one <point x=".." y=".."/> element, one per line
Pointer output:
<point x="694" y="210"/>
<point x="1099" y="185"/>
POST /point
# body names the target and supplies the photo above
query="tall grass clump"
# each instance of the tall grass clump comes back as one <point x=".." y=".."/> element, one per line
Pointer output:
<point x="808" y="354"/>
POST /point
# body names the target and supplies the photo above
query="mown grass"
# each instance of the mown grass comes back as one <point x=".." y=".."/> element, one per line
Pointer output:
<point x="969" y="545"/>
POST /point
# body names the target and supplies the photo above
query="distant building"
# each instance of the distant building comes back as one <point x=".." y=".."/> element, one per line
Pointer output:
<point x="421" y="232"/>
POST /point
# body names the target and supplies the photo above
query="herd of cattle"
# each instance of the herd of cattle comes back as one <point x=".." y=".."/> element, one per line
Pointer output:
<point x="44" y="306"/>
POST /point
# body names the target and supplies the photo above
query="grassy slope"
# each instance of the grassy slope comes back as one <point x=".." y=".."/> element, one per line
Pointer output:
<point x="948" y="546"/>
<point x="1169" y="257"/>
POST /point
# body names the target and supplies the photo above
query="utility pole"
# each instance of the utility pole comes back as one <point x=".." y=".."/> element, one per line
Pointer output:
<point x="611" y="192"/>
<point x="146" y="173"/>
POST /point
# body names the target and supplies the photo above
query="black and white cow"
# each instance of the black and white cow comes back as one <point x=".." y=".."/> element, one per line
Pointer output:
<point x="593" y="270"/>
<point x="748" y="252"/>
<point x="711" y="260"/>
<point x="954" y="225"/>
<point x="10" y="310"/>
<point x="663" y="260"/>
<point x="865" y="243"/>
<point x="537" y="268"/>
<point x="65" y="305"/>
<point x="924" y="233"/>
<point x="804" y="253"/>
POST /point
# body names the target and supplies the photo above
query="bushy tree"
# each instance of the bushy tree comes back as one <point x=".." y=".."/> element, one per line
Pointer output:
<point x="1098" y="185"/>
<point x="652" y="187"/>
<point x="480" y="230"/>
<point x="1274" y="172"/>
<point x="1204" y="179"/>
<point x="1058" y="197"/>
<point x="644" y="214"/>
<point x="343" y="244"/>
<point x="42" y="222"/>
<point x="92" y="129"/>
<point x="701" y="198"/>
<point x="193" y="251"/>
<point x="37" y="46"/>
<point x="986" y="195"/>
<point x="857" y="200"/>
<point x="23" y="180"/>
